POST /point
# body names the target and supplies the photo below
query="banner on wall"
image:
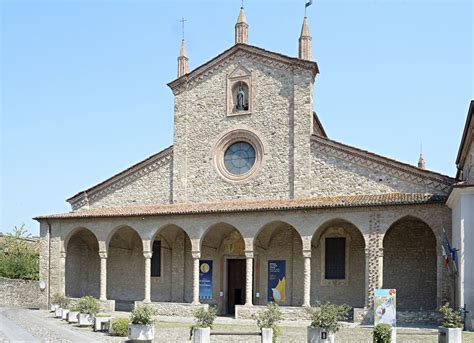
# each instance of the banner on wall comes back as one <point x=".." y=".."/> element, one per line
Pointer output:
<point x="385" y="307"/>
<point x="276" y="281"/>
<point x="205" y="279"/>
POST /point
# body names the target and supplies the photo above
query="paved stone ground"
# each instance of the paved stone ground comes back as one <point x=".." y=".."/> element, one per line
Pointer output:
<point x="22" y="325"/>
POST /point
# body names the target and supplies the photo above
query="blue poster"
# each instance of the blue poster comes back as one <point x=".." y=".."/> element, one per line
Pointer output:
<point x="205" y="279"/>
<point x="276" y="281"/>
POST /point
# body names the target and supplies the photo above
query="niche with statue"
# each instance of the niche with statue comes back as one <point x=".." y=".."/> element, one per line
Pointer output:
<point x="239" y="92"/>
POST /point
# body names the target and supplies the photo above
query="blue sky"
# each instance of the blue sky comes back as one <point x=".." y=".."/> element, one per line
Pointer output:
<point x="84" y="95"/>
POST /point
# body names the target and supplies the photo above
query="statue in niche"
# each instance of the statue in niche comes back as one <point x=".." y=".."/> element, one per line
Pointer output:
<point x="241" y="103"/>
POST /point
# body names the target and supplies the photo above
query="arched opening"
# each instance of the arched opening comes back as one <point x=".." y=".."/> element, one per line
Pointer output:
<point x="125" y="268"/>
<point x="82" y="264"/>
<point x="410" y="264"/>
<point x="338" y="264"/>
<point x="279" y="265"/>
<point x="171" y="266"/>
<point x="223" y="257"/>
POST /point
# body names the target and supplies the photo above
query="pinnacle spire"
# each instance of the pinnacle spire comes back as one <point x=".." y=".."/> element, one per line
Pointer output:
<point x="183" y="60"/>
<point x="421" y="162"/>
<point x="241" y="28"/>
<point x="182" y="51"/>
<point x="305" y="45"/>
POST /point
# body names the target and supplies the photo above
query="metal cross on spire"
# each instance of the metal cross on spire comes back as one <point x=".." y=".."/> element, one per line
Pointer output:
<point x="182" y="25"/>
<point x="307" y="3"/>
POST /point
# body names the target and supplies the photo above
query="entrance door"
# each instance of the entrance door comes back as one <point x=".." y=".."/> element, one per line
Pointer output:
<point x="235" y="284"/>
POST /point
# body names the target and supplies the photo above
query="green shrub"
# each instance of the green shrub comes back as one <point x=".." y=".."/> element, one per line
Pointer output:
<point x="203" y="319"/>
<point x="451" y="318"/>
<point x="56" y="298"/>
<point x="18" y="258"/>
<point x="327" y="316"/>
<point x="269" y="318"/>
<point x="142" y="314"/>
<point x="382" y="333"/>
<point x="88" y="305"/>
<point x="120" y="326"/>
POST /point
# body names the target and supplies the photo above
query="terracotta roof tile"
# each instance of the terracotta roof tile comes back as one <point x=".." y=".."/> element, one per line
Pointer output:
<point x="390" y="199"/>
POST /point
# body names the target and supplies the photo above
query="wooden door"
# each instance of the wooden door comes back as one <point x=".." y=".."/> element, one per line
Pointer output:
<point x="235" y="284"/>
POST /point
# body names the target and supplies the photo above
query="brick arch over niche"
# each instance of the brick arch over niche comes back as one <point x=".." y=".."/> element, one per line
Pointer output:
<point x="410" y="264"/>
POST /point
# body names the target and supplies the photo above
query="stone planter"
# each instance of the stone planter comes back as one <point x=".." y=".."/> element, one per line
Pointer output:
<point x="317" y="335"/>
<point x="64" y="313"/>
<point x="449" y="335"/>
<point x="58" y="312"/>
<point x="202" y="335"/>
<point x="72" y="316"/>
<point x="85" y="319"/>
<point x="53" y="307"/>
<point x="102" y="323"/>
<point x="267" y="335"/>
<point x="141" y="332"/>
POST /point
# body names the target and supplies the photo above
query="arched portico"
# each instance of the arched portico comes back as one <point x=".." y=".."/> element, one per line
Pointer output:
<point x="82" y="272"/>
<point x="338" y="270"/>
<point x="410" y="263"/>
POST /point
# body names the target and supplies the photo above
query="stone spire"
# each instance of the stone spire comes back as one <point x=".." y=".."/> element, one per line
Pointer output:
<point x="183" y="60"/>
<point x="241" y="28"/>
<point x="304" y="51"/>
<point x="421" y="162"/>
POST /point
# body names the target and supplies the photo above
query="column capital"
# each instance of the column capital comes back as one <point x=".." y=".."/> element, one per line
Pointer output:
<point x="103" y="254"/>
<point x="147" y="254"/>
<point x="196" y="254"/>
<point x="249" y="254"/>
<point x="307" y="253"/>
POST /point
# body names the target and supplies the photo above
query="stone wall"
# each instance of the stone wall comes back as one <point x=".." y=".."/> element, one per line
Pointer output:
<point x="21" y="293"/>
<point x="173" y="309"/>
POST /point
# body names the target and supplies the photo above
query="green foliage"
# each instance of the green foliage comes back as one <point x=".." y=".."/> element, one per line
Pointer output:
<point x="327" y="316"/>
<point x="18" y="258"/>
<point x="203" y="318"/>
<point x="120" y="326"/>
<point x="451" y="318"/>
<point x="61" y="300"/>
<point x="269" y="318"/>
<point x="88" y="305"/>
<point x="142" y="314"/>
<point x="382" y="333"/>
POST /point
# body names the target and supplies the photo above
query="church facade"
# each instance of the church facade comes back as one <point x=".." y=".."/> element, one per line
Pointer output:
<point x="254" y="203"/>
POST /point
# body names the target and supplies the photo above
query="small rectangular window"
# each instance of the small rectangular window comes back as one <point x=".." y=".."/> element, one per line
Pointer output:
<point x="335" y="268"/>
<point x="156" y="259"/>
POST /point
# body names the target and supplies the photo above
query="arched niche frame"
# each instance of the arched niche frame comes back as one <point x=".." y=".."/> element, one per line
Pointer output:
<point x="240" y="92"/>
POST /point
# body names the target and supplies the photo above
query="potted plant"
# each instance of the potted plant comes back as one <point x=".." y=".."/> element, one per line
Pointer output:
<point x="450" y="330"/>
<point x="88" y="308"/>
<point x="101" y="321"/>
<point x="119" y="327"/>
<point x="55" y="300"/>
<point x="267" y="321"/>
<point x="325" y="321"/>
<point x="203" y="321"/>
<point x="65" y="307"/>
<point x="141" y="325"/>
<point x="382" y="333"/>
<point x="73" y="314"/>
<point x="62" y="302"/>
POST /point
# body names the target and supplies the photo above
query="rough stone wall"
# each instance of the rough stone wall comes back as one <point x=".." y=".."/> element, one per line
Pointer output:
<point x="149" y="189"/>
<point x="351" y="292"/>
<point x="21" y="293"/>
<point x="410" y="265"/>
<point x="200" y="119"/>
<point x="333" y="176"/>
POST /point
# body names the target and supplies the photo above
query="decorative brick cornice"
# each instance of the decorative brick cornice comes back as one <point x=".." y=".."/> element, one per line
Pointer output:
<point x="400" y="170"/>
<point x="121" y="179"/>
<point x="252" y="53"/>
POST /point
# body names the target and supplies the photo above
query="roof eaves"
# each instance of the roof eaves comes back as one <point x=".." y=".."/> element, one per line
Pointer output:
<point x="469" y="123"/>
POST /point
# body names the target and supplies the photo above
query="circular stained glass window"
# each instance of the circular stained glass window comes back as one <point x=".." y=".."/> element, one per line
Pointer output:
<point x="239" y="158"/>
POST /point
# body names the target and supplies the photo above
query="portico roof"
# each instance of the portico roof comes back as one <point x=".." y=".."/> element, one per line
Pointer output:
<point x="368" y="200"/>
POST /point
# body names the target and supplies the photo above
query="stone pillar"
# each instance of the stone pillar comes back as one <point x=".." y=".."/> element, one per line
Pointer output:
<point x="196" y="257"/>
<point x="62" y="272"/>
<point x="147" y="255"/>
<point x="103" y="275"/>
<point x="374" y="273"/>
<point x="248" y="278"/>
<point x="307" y="278"/>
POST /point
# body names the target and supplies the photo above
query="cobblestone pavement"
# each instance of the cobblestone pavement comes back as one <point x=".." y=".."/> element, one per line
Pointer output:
<point x="40" y="326"/>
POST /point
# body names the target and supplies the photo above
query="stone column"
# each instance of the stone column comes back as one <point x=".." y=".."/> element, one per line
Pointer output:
<point x="62" y="272"/>
<point x="103" y="275"/>
<point x="147" y="255"/>
<point x="374" y="273"/>
<point x="196" y="257"/>
<point x="248" y="278"/>
<point x="307" y="278"/>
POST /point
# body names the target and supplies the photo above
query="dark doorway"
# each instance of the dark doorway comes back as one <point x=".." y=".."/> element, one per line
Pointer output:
<point x="235" y="284"/>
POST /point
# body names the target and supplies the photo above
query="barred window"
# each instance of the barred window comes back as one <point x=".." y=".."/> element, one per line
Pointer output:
<point x="156" y="259"/>
<point x="335" y="268"/>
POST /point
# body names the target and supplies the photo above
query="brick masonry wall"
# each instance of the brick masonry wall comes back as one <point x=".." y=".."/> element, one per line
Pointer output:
<point x="21" y="293"/>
